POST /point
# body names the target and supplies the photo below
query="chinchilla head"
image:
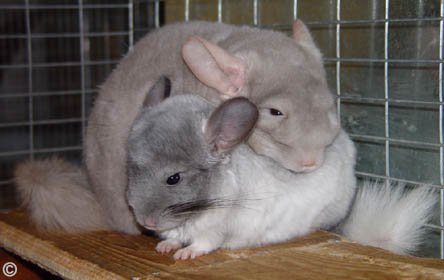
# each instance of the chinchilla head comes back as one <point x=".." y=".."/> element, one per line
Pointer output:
<point x="175" y="147"/>
<point x="286" y="79"/>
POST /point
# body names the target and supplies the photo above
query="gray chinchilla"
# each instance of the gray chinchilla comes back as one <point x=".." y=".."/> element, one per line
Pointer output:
<point x="193" y="181"/>
<point x="283" y="76"/>
<point x="63" y="196"/>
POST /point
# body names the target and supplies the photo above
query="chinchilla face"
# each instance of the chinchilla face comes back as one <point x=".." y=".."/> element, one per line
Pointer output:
<point x="286" y="79"/>
<point x="168" y="163"/>
<point x="175" y="148"/>
<point x="292" y="134"/>
<point x="298" y="118"/>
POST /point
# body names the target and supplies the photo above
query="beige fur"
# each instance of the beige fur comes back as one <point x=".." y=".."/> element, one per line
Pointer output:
<point x="280" y="71"/>
<point x="58" y="196"/>
<point x="270" y="68"/>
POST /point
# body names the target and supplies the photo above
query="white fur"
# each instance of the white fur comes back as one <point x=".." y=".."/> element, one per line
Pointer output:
<point x="279" y="205"/>
<point x="389" y="216"/>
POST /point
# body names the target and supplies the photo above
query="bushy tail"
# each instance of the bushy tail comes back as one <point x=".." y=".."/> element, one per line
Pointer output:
<point x="58" y="196"/>
<point x="390" y="216"/>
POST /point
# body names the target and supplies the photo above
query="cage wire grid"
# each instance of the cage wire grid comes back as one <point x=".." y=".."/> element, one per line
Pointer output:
<point x="134" y="23"/>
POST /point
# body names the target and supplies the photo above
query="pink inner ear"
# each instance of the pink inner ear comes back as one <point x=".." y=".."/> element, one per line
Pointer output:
<point x="231" y="65"/>
<point x="214" y="66"/>
<point x="221" y="146"/>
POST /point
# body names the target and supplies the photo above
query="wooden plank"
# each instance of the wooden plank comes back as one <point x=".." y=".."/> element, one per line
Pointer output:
<point x="109" y="255"/>
<point x="25" y="270"/>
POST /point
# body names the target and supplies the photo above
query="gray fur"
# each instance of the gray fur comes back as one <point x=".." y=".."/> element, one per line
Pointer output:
<point x="238" y="198"/>
<point x="281" y="72"/>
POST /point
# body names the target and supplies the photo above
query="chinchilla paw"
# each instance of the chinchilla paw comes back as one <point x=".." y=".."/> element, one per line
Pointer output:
<point x="167" y="246"/>
<point x="189" y="252"/>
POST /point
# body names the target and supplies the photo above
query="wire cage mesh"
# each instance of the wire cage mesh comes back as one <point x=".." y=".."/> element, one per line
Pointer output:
<point x="384" y="61"/>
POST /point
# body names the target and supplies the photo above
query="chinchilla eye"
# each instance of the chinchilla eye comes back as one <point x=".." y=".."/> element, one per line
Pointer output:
<point x="276" y="112"/>
<point x="173" y="179"/>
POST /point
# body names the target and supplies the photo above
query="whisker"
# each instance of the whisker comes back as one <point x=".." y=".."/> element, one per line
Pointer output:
<point x="200" y="205"/>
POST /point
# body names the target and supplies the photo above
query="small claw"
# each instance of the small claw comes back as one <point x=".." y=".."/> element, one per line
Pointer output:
<point x="188" y="253"/>
<point x="167" y="246"/>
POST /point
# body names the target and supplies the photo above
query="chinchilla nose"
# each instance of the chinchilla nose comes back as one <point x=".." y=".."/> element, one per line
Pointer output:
<point x="309" y="165"/>
<point x="150" y="223"/>
<point x="312" y="162"/>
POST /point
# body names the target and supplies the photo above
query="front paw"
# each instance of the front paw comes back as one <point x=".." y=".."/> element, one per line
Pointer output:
<point x="189" y="252"/>
<point x="169" y="245"/>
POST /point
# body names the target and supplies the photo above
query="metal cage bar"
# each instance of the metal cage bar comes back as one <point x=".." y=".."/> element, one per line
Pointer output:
<point x="156" y="14"/>
<point x="30" y="79"/>
<point x="82" y="66"/>
<point x="219" y="10"/>
<point x="130" y="24"/>
<point x="441" y="138"/>
<point x="255" y="13"/>
<point x="386" y="89"/>
<point x="187" y="10"/>
<point x="338" y="56"/>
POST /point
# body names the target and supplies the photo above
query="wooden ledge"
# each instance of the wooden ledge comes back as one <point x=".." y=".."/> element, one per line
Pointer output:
<point x="110" y="255"/>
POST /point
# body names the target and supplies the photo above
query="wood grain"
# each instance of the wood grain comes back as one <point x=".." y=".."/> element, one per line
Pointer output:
<point x="110" y="255"/>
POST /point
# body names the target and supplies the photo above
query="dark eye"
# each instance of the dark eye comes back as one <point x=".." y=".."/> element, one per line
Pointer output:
<point x="173" y="179"/>
<point x="275" y="112"/>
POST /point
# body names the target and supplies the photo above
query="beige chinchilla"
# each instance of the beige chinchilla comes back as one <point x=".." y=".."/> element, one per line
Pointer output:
<point x="283" y="76"/>
<point x="192" y="179"/>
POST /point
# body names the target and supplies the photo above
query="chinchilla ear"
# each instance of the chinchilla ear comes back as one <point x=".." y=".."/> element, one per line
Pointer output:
<point x="302" y="35"/>
<point x="158" y="92"/>
<point x="230" y="124"/>
<point x="214" y="66"/>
